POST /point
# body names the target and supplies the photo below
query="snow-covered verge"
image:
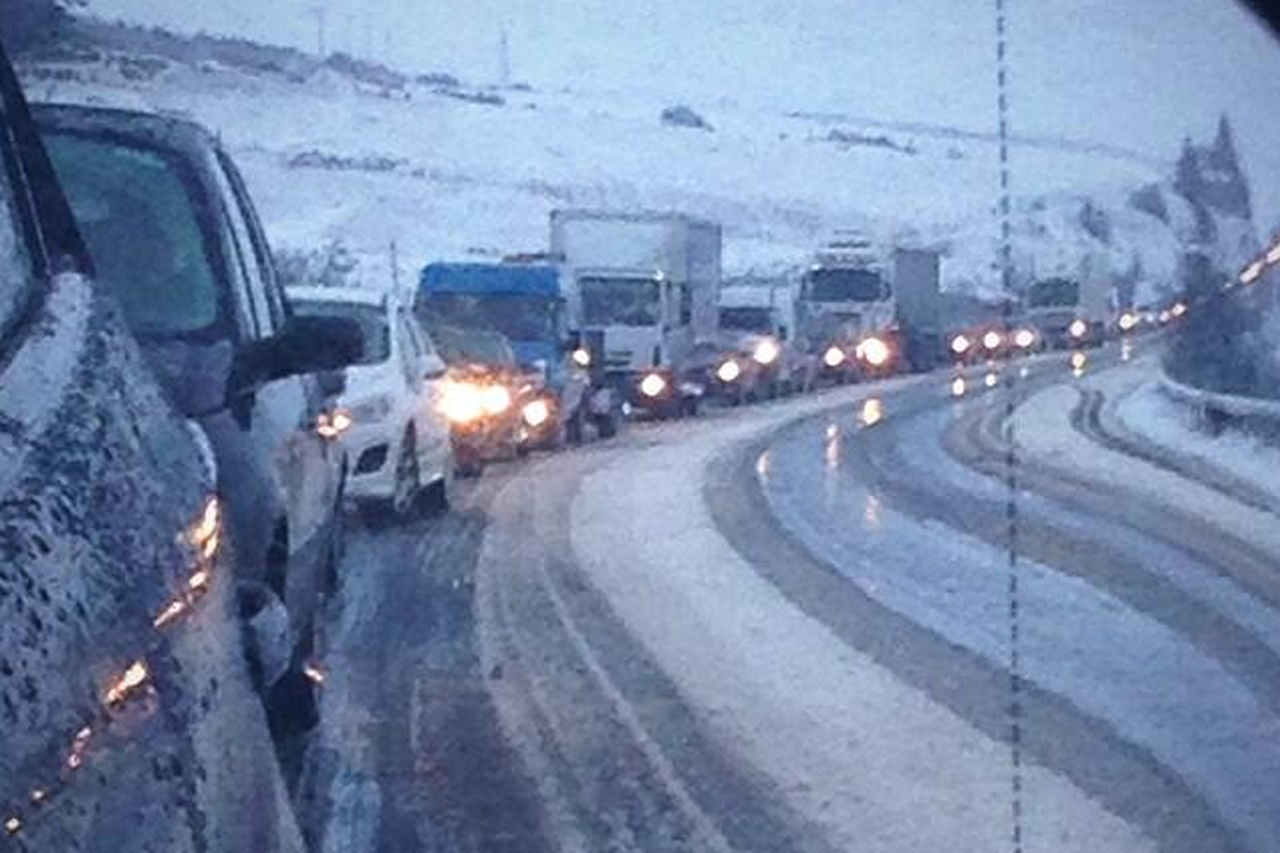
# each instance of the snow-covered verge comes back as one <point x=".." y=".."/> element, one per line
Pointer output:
<point x="1148" y="411"/>
<point x="451" y="170"/>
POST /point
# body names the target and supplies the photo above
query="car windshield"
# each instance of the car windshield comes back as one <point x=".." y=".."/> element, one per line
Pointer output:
<point x="835" y="426"/>
<point x="139" y="214"/>
<point x="747" y="319"/>
<point x="520" y="317"/>
<point x="620" y="301"/>
<point x="374" y="327"/>
<point x="843" y="285"/>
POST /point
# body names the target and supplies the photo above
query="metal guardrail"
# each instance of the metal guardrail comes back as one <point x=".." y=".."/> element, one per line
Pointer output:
<point x="1214" y="411"/>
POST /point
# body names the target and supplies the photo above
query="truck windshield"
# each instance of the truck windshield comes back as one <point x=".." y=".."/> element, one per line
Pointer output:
<point x="620" y="301"/>
<point x="1053" y="293"/>
<point x="518" y="316"/>
<point x="747" y="319"/>
<point x="374" y="328"/>
<point x="836" y="285"/>
<point x="139" y="219"/>
<point x="466" y="346"/>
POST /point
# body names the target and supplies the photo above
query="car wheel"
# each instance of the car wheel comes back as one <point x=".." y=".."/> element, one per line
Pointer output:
<point x="407" y="487"/>
<point x="607" y="426"/>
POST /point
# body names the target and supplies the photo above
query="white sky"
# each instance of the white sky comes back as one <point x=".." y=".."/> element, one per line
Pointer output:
<point x="1136" y="73"/>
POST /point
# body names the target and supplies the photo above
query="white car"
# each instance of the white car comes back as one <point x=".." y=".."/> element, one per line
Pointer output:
<point x="396" y="437"/>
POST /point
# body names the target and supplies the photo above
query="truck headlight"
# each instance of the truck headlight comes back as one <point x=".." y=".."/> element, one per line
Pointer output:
<point x="495" y="399"/>
<point x="874" y="352"/>
<point x="960" y="344"/>
<point x="653" y="385"/>
<point x="833" y="357"/>
<point x="766" y="352"/>
<point x="1078" y="328"/>
<point x="536" y="413"/>
<point x="728" y="371"/>
<point x="992" y="340"/>
<point x="1024" y="338"/>
<point x="1128" y="321"/>
<point x="582" y="357"/>
<point x="461" y="402"/>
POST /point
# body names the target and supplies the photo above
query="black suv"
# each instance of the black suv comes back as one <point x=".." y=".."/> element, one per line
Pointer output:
<point x="127" y="716"/>
<point x="176" y="239"/>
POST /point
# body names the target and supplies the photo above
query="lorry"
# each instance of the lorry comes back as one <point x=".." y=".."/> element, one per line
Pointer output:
<point x="863" y="311"/>
<point x="643" y="287"/>
<point x="845" y="299"/>
<point x="757" y="321"/>
<point x="525" y="303"/>
<point x="1072" y="310"/>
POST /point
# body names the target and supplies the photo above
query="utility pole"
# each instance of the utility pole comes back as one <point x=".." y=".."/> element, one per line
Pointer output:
<point x="321" y="15"/>
<point x="504" y="59"/>
<point x="395" y="268"/>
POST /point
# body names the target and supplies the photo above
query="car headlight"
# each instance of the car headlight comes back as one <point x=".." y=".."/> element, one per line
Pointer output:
<point x="766" y="352"/>
<point x="1078" y="328"/>
<point x="582" y="357"/>
<point x="833" y="357"/>
<point x="461" y="403"/>
<point x="960" y="344"/>
<point x="874" y="352"/>
<point x="372" y="410"/>
<point x="653" y="385"/>
<point x="536" y="413"/>
<point x="1024" y="338"/>
<point x="1128" y="322"/>
<point x="729" y="371"/>
<point x="992" y="340"/>
<point x="331" y="424"/>
<point x="495" y="399"/>
<point x="1178" y="309"/>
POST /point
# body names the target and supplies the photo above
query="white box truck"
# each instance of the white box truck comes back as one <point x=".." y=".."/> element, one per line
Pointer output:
<point x="642" y="287"/>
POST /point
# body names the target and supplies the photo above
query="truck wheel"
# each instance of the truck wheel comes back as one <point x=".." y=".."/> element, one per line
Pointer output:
<point x="607" y="426"/>
<point x="573" y="428"/>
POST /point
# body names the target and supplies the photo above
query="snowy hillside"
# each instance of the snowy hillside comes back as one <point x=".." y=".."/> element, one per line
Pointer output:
<point x="447" y="170"/>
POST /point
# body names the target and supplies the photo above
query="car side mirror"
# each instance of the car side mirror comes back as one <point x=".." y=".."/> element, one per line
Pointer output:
<point x="307" y="345"/>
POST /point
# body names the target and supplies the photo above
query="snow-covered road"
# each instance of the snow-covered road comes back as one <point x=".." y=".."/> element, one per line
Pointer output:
<point x="787" y="628"/>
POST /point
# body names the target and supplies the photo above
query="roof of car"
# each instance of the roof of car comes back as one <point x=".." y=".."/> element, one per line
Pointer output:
<point x="351" y="295"/>
<point x="165" y="130"/>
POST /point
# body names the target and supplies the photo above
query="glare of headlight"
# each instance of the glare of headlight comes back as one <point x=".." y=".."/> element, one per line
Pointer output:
<point x="653" y="385"/>
<point x="766" y="352"/>
<point x="874" y="351"/>
<point x="1251" y="273"/>
<point x="495" y="399"/>
<point x="1078" y="328"/>
<point x="833" y="357"/>
<point x="1024" y="338"/>
<point x="1078" y="362"/>
<point x="1128" y="321"/>
<point x="729" y="371"/>
<point x="1273" y="254"/>
<point x="990" y="380"/>
<point x="461" y="402"/>
<point x="1178" y="309"/>
<point x="1164" y="317"/>
<point x="992" y="339"/>
<point x="872" y="412"/>
<point x="582" y="357"/>
<point x="330" y="425"/>
<point x="536" y="413"/>
<point x="960" y="344"/>
<point x="958" y="387"/>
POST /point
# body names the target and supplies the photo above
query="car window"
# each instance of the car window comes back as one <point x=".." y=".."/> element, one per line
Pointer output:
<point x="16" y="279"/>
<point x="371" y="318"/>
<point x="138" y="214"/>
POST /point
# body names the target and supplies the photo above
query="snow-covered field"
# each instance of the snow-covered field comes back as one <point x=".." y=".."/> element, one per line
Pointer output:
<point x="456" y="171"/>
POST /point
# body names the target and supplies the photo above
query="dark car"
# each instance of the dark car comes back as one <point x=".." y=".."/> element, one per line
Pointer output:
<point x="128" y="720"/>
<point x="177" y="240"/>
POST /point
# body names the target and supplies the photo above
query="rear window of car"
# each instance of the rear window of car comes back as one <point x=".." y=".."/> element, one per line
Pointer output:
<point x="139" y="218"/>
